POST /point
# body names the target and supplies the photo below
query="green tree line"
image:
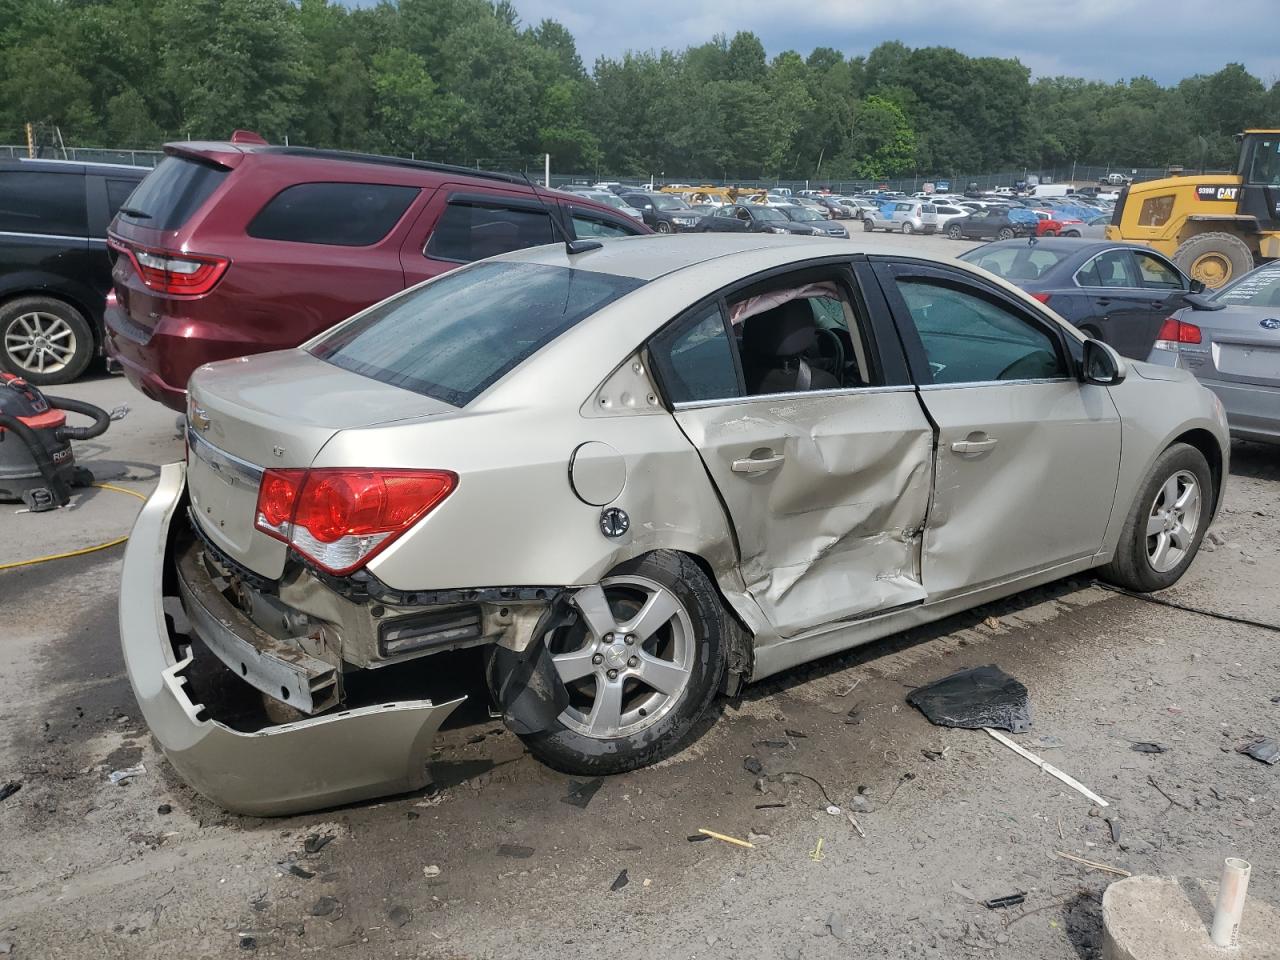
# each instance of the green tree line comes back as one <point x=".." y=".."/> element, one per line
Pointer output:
<point x="466" y="81"/>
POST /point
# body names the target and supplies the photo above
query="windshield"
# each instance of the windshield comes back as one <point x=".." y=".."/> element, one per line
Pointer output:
<point x="1016" y="262"/>
<point x="803" y="214"/>
<point x="172" y="192"/>
<point x="454" y="338"/>
<point x="1261" y="288"/>
<point x="769" y="213"/>
<point x="665" y="202"/>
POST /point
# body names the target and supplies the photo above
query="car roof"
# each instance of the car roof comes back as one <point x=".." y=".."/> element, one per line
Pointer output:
<point x="74" y="166"/>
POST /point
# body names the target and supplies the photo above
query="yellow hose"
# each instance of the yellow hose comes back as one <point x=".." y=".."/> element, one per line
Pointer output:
<point x="81" y="552"/>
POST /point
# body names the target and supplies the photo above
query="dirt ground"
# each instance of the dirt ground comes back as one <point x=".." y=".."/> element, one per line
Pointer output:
<point x="495" y="862"/>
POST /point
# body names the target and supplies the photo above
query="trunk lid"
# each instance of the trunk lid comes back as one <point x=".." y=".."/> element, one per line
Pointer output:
<point x="1240" y="344"/>
<point x="273" y="410"/>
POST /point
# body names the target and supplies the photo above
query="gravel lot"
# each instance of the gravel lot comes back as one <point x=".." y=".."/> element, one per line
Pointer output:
<point x="493" y="864"/>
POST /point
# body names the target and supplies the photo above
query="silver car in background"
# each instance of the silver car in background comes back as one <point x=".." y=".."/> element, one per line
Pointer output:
<point x="633" y="475"/>
<point x="902" y="216"/>
<point x="1234" y="351"/>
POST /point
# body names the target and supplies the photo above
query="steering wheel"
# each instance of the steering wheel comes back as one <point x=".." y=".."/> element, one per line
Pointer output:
<point x="1032" y="366"/>
<point x="837" y="348"/>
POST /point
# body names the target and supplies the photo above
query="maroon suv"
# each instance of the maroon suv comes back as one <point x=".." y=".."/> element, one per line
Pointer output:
<point x="229" y="249"/>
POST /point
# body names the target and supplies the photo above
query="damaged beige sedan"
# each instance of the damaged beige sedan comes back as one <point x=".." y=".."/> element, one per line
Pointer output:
<point x="637" y="477"/>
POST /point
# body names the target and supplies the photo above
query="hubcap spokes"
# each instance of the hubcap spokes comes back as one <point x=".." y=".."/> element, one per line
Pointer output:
<point x="1173" y="521"/>
<point x="637" y="653"/>
<point x="40" y="342"/>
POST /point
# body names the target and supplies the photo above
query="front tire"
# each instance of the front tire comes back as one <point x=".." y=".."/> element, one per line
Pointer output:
<point x="868" y="226"/>
<point x="663" y="227"/>
<point x="955" y="232"/>
<point x="642" y="665"/>
<point x="1214" y="258"/>
<point x="1006" y="233"/>
<point x="1166" y="523"/>
<point x="44" y="341"/>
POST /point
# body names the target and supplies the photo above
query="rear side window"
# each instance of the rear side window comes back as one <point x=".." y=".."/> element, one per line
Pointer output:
<point x="585" y="226"/>
<point x="118" y="192"/>
<point x="473" y="230"/>
<point x="696" y="359"/>
<point x="335" y="214"/>
<point x="171" y="193"/>
<point x="455" y="337"/>
<point x="45" y="203"/>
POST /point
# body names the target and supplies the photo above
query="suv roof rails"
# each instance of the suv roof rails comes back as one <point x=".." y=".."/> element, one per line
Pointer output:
<point x="353" y="157"/>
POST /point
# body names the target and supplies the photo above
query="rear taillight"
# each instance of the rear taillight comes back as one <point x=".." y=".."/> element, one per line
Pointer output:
<point x="1174" y="332"/>
<point x="175" y="273"/>
<point x="341" y="518"/>
<point x="112" y="301"/>
<point x="1042" y="297"/>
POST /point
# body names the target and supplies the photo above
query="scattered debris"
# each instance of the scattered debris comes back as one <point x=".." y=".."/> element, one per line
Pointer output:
<point x="991" y="623"/>
<point x="754" y="837"/>
<point x="1096" y="866"/>
<point x="934" y="754"/>
<point x="772" y="744"/>
<point x="431" y="871"/>
<point x="6" y="948"/>
<point x="1160" y="790"/>
<point x="9" y="789"/>
<point x="164" y="809"/>
<point x="770" y="806"/>
<point x="1113" y="822"/>
<point x="248" y="943"/>
<point x="816" y="854"/>
<point x="1008" y="900"/>
<point x="854" y="686"/>
<point x="974" y="699"/>
<point x="856" y="825"/>
<point x="796" y="734"/>
<point x="752" y="766"/>
<point x="854" y="716"/>
<point x="840" y="928"/>
<point x="581" y="792"/>
<point x="620" y="882"/>
<point x="515" y="851"/>
<point x="965" y="892"/>
<point x="833" y="810"/>
<point x="905" y="778"/>
<point x="1145" y="747"/>
<point x="128" y="773"/>
<point x="399" y="915"/>
<point x="323" y="907"/>
<point x="733" y="840"/>
<point x="1048" y="768"/>
<point x="1264" y="748"/>
<point x="314" y="842"/>
<point x="297" y="871"/>
<point x="698" y="837"/>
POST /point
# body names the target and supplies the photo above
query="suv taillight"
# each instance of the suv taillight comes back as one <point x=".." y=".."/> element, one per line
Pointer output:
<point x="341" y="518"/>
<point x="173" y="272"/>
<point x="1174" y="331"/>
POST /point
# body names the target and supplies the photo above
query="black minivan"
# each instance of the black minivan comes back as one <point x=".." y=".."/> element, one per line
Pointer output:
<point x="54" y="268"/>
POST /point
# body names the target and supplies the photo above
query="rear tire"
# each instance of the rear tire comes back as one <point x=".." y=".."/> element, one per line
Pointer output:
<point x="663" y="227"/>
<point x="868" y="226"/>
<point x="1160" y="538"/>
<point x="698" y="634"/>
<point x="1214" y="258"/>
<point x="44" y="341"/>
<point x="1006" y="233"/>
<point x="954" y="232"/>
<point x="907" y="229"/>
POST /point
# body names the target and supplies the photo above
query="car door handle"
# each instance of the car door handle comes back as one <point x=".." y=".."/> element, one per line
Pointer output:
<point x="759" y="464"/>
<point x="973" y="446"/>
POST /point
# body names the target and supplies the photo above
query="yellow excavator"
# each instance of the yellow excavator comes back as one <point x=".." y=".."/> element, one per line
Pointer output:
<point x="1214" y="227"/>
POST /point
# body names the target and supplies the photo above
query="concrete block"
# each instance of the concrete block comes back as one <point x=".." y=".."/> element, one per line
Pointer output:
<point x="1168" y="918"/>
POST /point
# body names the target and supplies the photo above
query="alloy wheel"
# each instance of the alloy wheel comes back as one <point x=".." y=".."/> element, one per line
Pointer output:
<point x="1173" y="521"/>
<point x="629" y="660"/>
<point x="40" y="342"/>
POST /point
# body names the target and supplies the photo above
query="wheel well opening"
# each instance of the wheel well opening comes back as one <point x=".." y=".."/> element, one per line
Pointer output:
<point x="1207" y="444"/>
<point x="742" y="657"/>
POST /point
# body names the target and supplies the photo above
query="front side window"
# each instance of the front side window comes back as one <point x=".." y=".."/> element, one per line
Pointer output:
<point x="695" y="360"/>
<point x="585" y="226"/>
<point x="477" y="230"/>
<point x="333" y="214"/>
<point x="1157" y="273"/>
<point x="969" y="338"/>
<point x="455" y="337"/>
<point x="44" y="203"/>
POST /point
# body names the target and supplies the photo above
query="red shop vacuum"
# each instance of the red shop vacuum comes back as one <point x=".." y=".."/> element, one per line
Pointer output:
<point x="37" y="465"/>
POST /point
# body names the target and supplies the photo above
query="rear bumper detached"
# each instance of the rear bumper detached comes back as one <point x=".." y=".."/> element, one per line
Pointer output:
<point x="289" y="768"/>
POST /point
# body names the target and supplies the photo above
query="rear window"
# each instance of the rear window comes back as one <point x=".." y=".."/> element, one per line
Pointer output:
<point x="474" y="230"/>
<point x="459" y="335"/>
<point x="1261" y="288"/>
<point x="171" y="193"/>
<point x="335" y="214"/>
<point x="45" y="203"/>
<point x="1015" y="263"/>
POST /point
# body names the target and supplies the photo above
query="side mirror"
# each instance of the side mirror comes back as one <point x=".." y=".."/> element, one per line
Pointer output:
<point x="1197" y="286"/>
<point x="1102" y="365"/>
<point x="1197" y="301"/>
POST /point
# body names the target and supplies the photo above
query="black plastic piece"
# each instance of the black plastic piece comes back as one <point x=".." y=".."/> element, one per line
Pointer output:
<point x="524" y="683"/>
<point x="976" y="698"/>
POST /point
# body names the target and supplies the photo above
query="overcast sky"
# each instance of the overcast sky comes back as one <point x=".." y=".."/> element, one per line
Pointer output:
<point x="1097" y="39"/>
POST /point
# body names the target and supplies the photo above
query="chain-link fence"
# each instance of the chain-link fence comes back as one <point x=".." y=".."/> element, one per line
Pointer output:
<point x="533" y="167"/>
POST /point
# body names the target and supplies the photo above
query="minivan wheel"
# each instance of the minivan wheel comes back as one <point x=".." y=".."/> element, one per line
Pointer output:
<point x="955" y="232"/>
<point x="1006" y="233"/>
<point x="1166" y="523"/>
<point x="867" y="225"/>
<point x="641" y="666"/>
<point x="908" y="229"/>
<point x="663" y="227"/>
<point x="44" y="341"/>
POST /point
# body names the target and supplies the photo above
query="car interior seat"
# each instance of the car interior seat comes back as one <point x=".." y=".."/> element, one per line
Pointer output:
<point x="773" y="348"/>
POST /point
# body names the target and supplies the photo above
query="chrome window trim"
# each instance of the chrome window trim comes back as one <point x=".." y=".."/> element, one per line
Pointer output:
<point x="994" y="383"/>
<point x="793" y="395"/>
<point x="49" y="236"/>
<point x="228" y="466"/>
